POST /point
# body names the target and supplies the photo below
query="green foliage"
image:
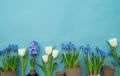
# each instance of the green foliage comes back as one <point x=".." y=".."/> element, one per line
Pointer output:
<point x="94" y="64"/>
<point x="71" y="58"/>
<point x="48" y="67"/>
<point x="32" y="60"/>
<point x="10" y="62"/>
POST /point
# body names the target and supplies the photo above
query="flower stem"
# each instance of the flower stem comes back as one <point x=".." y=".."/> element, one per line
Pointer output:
<point x="22" y="67"/>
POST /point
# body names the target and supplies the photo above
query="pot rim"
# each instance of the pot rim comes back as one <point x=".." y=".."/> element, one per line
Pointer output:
<point x="109" y="67"/>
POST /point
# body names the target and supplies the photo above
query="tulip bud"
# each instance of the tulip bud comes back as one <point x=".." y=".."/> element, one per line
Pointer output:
<point x="48" y="50"/>
<point x="55" y="53"/>
<point x="21" y="52"/>
<point x="113" y="42"/>
<point x="45" y="58"/>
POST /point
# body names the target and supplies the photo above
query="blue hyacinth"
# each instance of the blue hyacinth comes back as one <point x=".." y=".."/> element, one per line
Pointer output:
<point x="9" y="48"/>
<point x="109" y="53"/>
<point x="102" y="54"/>
<point x="87" y="49"/>
<point x="98" y="50"/>
<point x="114" y="63"/>
<point x="34" y="48"/>
<point x="68" y="46"/>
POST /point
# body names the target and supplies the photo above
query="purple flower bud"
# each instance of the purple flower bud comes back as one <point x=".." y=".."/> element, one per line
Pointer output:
<point x="86" y="51"/>
<point x="67" y="47"/>
<point x="102" y="54"/>
<point x="88" y="47"/>
<point x="98" y="50"/>
<point x="109" y="53"/>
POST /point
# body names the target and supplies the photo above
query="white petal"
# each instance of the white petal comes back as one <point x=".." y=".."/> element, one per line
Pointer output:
<point x="55" y="53"/>
<point x="48" y="50"/>
<point x="113" y="42"/>
<point x="45" y="58"/>
<point x="21" y="52"/>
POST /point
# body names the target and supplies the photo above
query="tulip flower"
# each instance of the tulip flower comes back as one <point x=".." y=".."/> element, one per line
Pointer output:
<point x="48" y="50"/>
<point x="45" y="58"/>
<point x="55" y="53"/>
<point x="21" y="52"/>
<point x="113" y="42"/>
<point x="48" y="61"/>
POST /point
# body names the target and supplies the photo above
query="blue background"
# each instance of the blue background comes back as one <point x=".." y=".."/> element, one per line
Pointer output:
<point x="52" y="22"/>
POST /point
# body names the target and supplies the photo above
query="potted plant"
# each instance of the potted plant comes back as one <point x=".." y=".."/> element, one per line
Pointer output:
<point x="33" y="51"/>
<point x="109" y="70"/>
<point x="10" y="60"/>
<point x="23" y="53"/>
<point x="71" y="58"/>
<point x="113" y="44"/>
<point x="48" y="61"/>
<point x="94" y="62"/>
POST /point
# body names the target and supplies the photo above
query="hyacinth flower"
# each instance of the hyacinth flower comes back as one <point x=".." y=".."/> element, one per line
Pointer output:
<point x="94" y="62"/>
<point x="33" y="51"/>
<point x="70" y="56"/>
<point x="48" y="60"/>
<point x="114" y="63"/>
<point x="10" y="61"/>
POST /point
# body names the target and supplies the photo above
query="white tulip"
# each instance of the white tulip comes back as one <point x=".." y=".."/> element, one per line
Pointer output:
<point x="45" y="58"/>
<point x="48" y="50"/>
<point x="21" y="52"/>
<point x="113" y="42"/>
<point x="55" y="53"/>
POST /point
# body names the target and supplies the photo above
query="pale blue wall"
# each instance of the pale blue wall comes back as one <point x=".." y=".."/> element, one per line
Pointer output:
<point x="51" y="22"/>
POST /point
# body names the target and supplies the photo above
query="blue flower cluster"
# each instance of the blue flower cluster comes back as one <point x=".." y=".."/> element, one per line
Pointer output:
<point x="87" y="51"/>
<point x="34" y="48"/>
<point x="114" y="63"/>
<point x="69" y="46"/>
<point x="12" y="47"/>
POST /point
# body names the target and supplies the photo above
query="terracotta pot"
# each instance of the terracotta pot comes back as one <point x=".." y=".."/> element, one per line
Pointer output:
<point x="8" y="73"/>
<point x="73" y="71"/>
<point x="60" y="73"/>
<point x="108" y="70"/>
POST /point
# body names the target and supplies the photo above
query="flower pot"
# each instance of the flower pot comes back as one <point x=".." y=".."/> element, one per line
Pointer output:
<point x="73" y="71"/>
<point x="108" y="70"/>
<point x="8" y="73"/>
<point x="60" y="74"/>
<point x="32" y="73"/>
